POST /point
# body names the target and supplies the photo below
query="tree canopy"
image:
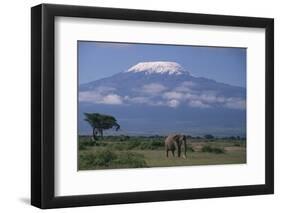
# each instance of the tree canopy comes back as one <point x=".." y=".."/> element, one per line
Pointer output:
<point x="101" y="122"/>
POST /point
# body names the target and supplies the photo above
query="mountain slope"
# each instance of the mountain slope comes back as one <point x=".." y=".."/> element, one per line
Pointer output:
<point x="170" y="96"/>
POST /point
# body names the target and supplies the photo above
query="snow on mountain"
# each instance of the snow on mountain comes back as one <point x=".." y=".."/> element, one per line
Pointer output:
<point x="161" y="67"/>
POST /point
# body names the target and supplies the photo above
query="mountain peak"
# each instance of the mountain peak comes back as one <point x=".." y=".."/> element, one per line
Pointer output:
<point x="161" y="67"/>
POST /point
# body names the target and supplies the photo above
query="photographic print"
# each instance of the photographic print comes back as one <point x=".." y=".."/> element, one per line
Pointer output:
<point x="129" y="95"/>
<point x="160" y="105"/>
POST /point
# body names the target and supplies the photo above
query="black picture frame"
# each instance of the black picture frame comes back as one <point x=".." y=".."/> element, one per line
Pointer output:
<point x="43" y="114"/>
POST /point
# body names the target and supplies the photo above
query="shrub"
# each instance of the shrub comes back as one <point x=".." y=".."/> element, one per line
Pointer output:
<point x="124" y="138"/>
<point x="84" y="143"/>
<point x="82" y="146"/>
<point x="132" y="144"/>
<point x="88" y="143"/>
<point x="99" y="143"/>
<point x="151" y="145"/>
<point x="157" y="143"/>
<point x="236" y="144"/>
<point x="130" y="159"/>
<point x="216" y="150"/>
<point x="147" y="145"/>
<point x="189" y="148"/>
<point x="98" y="158"/>
<point x="106" y="158"/>
<point x="116" y="146"/>
<point x="124" y="145"/>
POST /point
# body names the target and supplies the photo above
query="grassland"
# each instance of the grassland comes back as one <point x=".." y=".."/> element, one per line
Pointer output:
<point x="141" y="152"/>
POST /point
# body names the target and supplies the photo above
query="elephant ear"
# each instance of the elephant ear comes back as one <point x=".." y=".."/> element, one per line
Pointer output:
<point x="176" y="137"/>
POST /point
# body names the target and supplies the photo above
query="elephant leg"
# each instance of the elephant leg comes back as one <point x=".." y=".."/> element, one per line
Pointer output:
<point x="179" y="152"/>
<point x="173" y="152"/>
<point x="179" y="149"/>
<point x="185" y="148"/>
<point x="167" y="153"/>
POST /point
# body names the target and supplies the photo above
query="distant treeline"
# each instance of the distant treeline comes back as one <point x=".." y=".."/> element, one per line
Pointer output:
<point x="127" y="137"/>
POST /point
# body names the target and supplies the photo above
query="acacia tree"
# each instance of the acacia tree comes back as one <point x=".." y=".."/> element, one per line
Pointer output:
<point x="100" y="122"/>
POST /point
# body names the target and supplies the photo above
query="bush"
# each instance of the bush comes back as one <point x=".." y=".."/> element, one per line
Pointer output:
<point x="124" y="145"/>
<point x="130" y="159"/>
<point x="151" y="145"/>
<point x="157" y="143"/>
<point x="236" y="144"/>
<point x="82" y="146"/>
<point x="106" y="158"/>
<point x="88" y="143"/>
<point x="189" y="149"/>
<point x="99" y="143"/>
<point x="124" y="138"/>
<point x="145" y="145"/>
<point x="116" y="146"/>
<point x="135" y="144"/>
<point x="98" y="158"/>
<point x="122" y="142"/>
<point x="216" y="150"/>
<point x="84" y="143"/>
<point x="132" y="144"/>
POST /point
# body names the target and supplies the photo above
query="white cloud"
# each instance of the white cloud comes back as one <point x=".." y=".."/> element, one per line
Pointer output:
<point x="188" y="84"/>
<point x="158" y="103"/>
<point x="99" y="98"/>
<point x="156" y="94"/>
<point x="212" y="98"/>
<point x="190" y="96"/>
<point x="89" y="96"/>
<point x="199" y="104"/>
<point x="220" y="99"/>
<point x="126" y="97"/>
<point x="173" y="95"/>
<point x="235" y="103"/>
<point x="185" y="86"/>
<point x="112" y="99"/>
<point x="202" y="99"/>
<point x="208" y="98"/>
<point x="146" y="100"/>
<point x="173" y="103"/>
<point x="153" y="88"/>
<point x="140" y="100"/>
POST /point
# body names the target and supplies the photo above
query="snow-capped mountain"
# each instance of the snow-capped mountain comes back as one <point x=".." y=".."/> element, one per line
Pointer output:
<point x="161" y="67"/>
<point x="156" y="97"/>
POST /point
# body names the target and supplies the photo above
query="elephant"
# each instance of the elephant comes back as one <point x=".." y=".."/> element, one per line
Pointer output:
<point x="173" y="142"/>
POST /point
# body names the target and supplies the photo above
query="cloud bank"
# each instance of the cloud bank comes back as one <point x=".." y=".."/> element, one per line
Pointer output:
<point x="156" y="94"/>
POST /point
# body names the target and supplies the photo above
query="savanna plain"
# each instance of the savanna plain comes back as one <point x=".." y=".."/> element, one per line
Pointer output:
<point x="112" y="152"/>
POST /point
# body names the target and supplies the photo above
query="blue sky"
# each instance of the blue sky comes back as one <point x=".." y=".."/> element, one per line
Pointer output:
<point x="102" y="59"/>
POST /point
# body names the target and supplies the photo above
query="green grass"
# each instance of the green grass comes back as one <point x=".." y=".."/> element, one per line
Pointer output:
<point x="158" y="159"/>
<point x="138" y="152"/>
